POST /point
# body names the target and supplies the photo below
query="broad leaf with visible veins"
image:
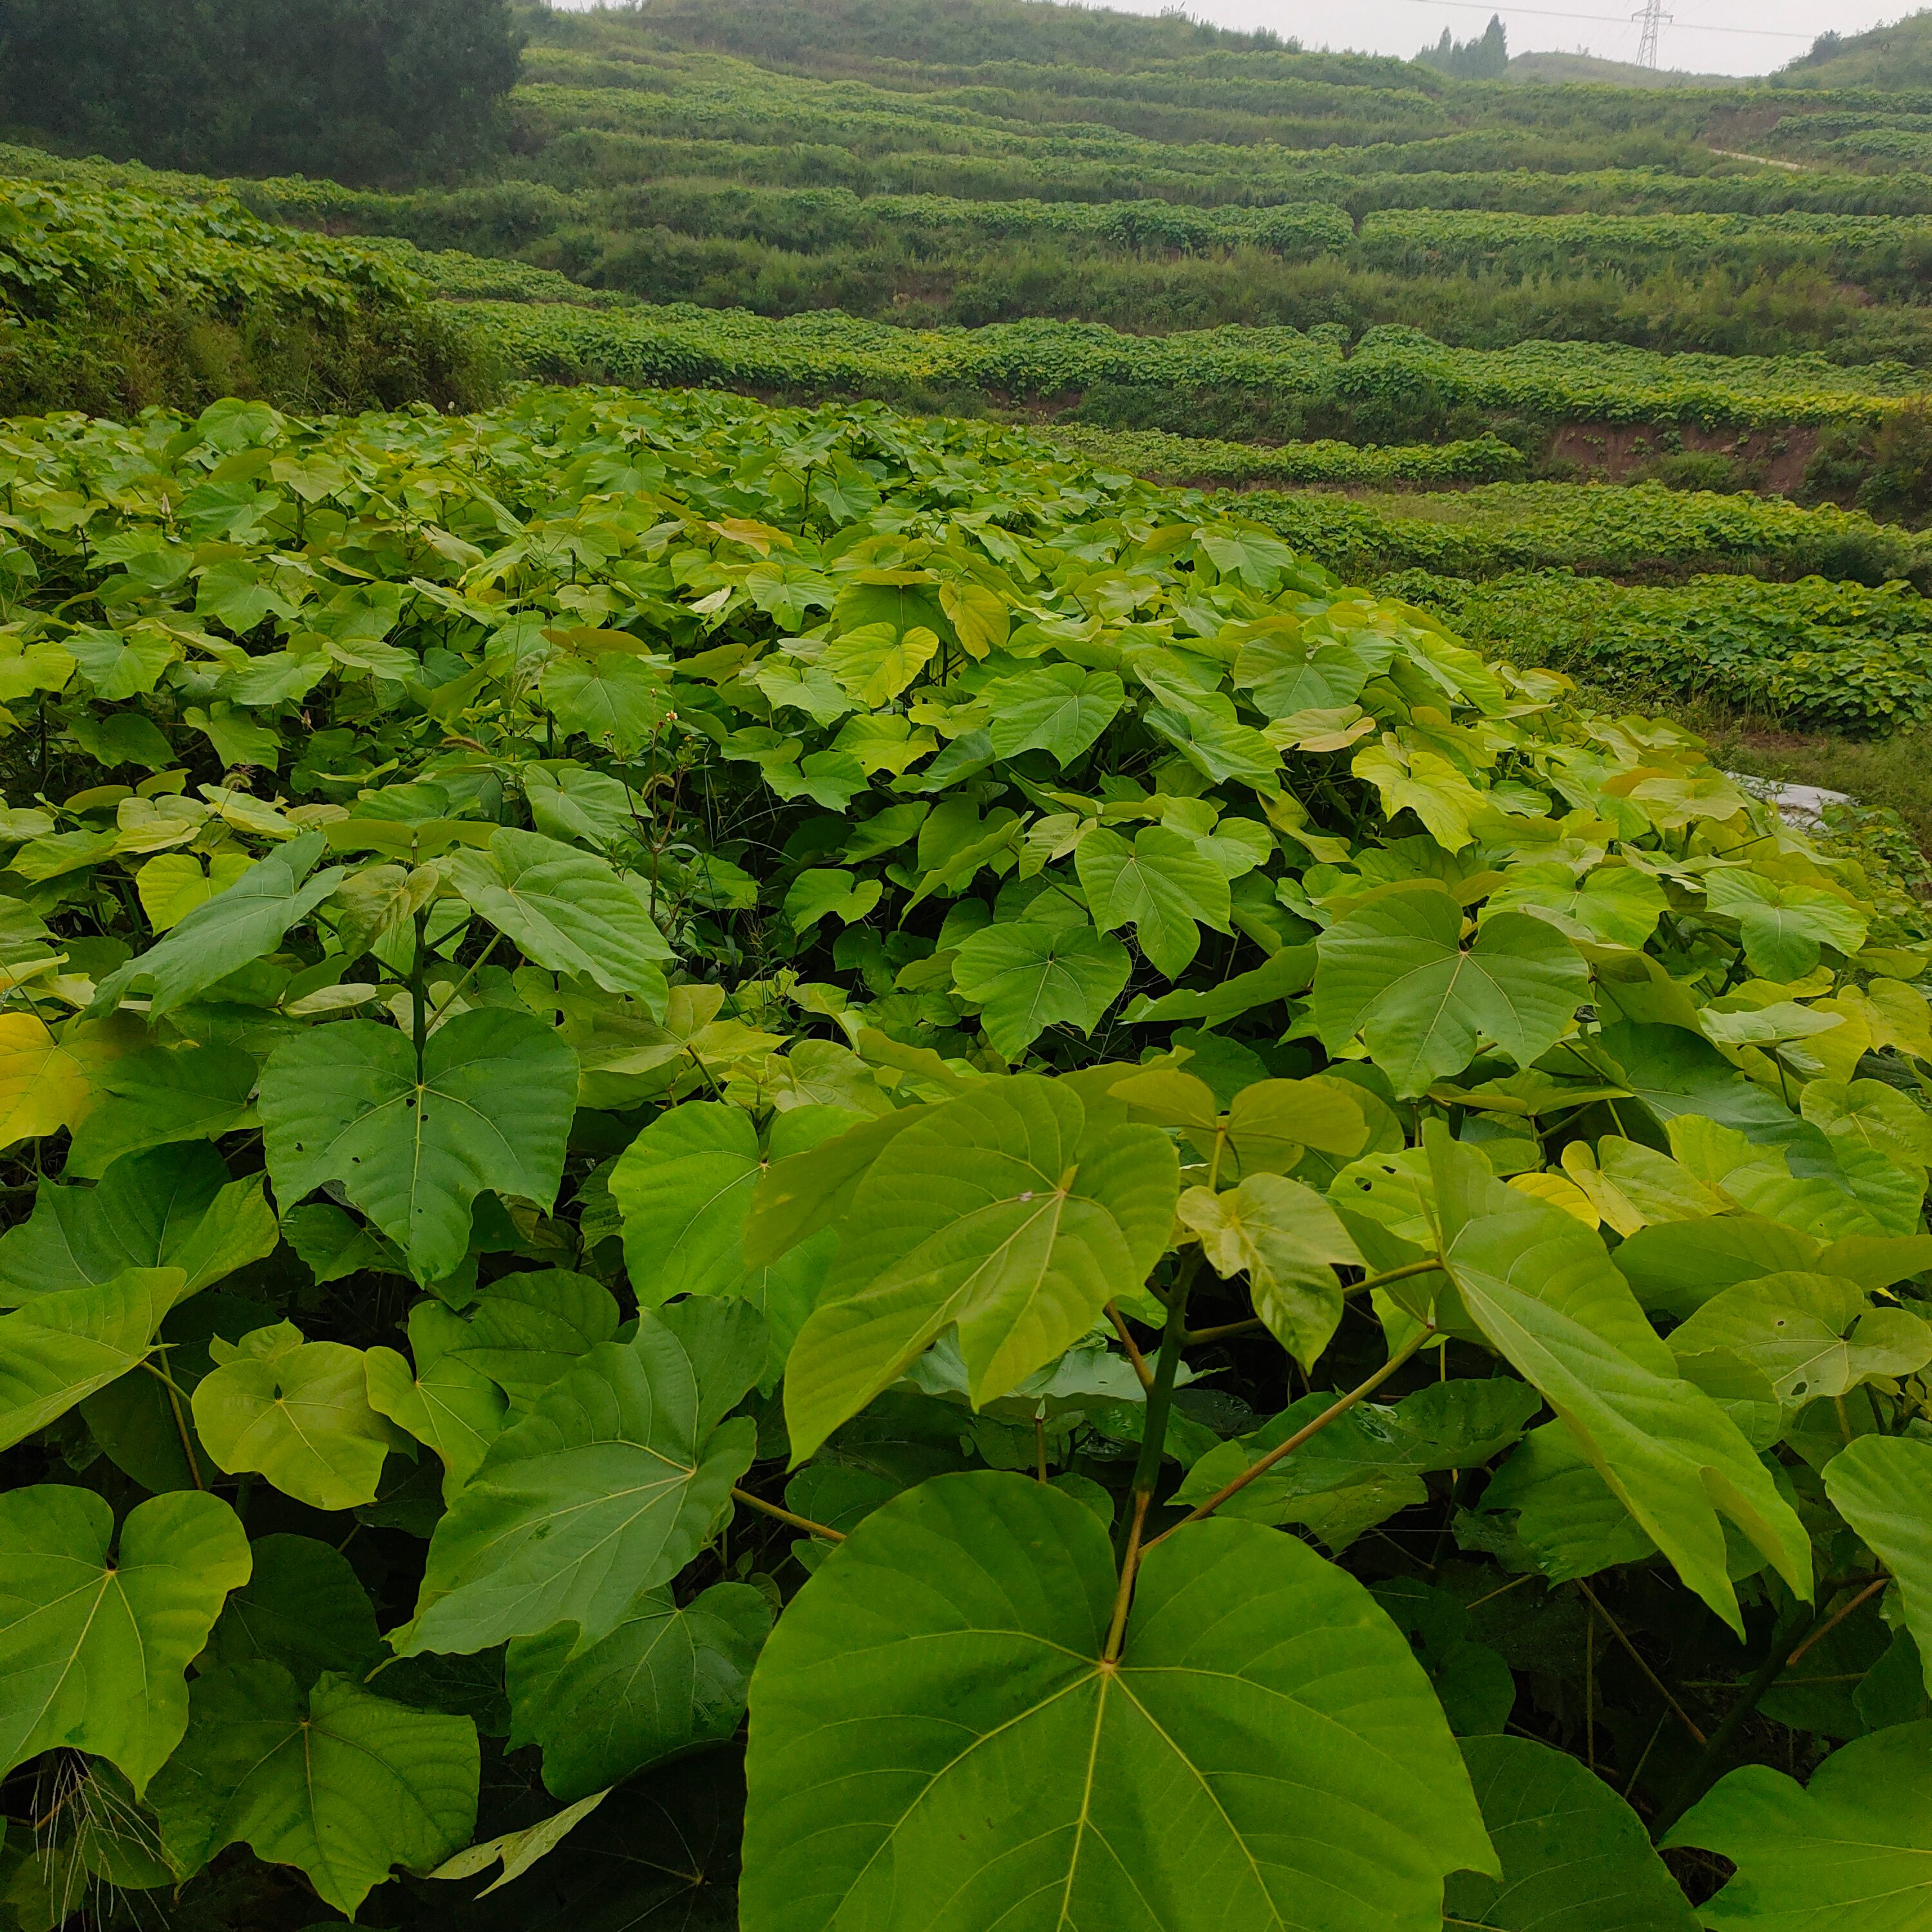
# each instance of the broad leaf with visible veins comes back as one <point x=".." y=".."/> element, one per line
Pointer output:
<point x="341" y="1782"/>
<point x="169" y="1207"/>
<point x="1394" y="971"/>
<point x="567" y="911"/>
<point x="62" y="1346"/>
<point x="1288" y="1241"/>
<point x="95" y="1641"/>
<point x="443" y="1401"/>
<point x="1006" y="1211"/>
<point x="342" y="1103"/>
<point x="1576" y="1858"/>
<point x="1027" y="976"/>
<point x="227" y="930"/>
<point x="1853" y="1850"/>
<point x="1538" y="1284"/>
<point x="932" y="1717"/>
<point x="611" y="1486"/>
<point x="1881" y="1486"/>
<point x="666" y="1678"/>
<point x="297" y="1412"/>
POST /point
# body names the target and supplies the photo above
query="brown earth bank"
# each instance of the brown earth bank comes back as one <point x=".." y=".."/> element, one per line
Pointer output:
<point x="1621" y="451"/>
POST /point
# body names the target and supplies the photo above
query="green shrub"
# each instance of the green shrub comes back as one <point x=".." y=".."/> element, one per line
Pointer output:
<point x="1814" y="653"/>
<point x="112" y="300"/>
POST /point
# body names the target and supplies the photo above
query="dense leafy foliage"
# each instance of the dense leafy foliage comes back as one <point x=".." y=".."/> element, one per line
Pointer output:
<point x="660" y="1054"/>
<point x="1387" y="372"/>
<point x="1813" y="653"/>
<point x="1636" y="532"/>
<point x="359" y="89"/>
<point x="109" y="298"/>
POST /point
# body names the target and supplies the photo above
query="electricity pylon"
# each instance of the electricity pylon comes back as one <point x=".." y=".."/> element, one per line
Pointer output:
<point x="1652" y="18"/>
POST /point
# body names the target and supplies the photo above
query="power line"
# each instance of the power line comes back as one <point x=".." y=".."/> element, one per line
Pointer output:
<point x="1610" y="19"/>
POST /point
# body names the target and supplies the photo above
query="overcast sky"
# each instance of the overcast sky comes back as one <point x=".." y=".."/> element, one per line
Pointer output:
<point x="1707" y="36"/>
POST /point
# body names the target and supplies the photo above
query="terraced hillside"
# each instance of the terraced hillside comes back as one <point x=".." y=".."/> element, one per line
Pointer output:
<point x="904" y="1022"/>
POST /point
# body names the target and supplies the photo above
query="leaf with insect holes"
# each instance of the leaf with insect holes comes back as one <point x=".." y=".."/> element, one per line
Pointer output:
<point x="1813" y="1335"/>
<point x="297" y="1412"/>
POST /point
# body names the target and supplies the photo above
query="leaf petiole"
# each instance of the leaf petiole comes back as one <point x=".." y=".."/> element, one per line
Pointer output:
<point x="1333" y="1413"/>
<point x="822" y="1531"/>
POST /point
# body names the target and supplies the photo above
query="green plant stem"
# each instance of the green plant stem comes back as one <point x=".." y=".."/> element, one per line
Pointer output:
<point x="1636" y="1658"/>
<point x="1130" y="1563"/>
<point x="1838" y="1616"/>
<point x="1249" y="1323"/>
<point x="469" y="972"/>
<point x="1196" y="1337"/>
<point x="1127" y="1342"/>
<point x="1429" y="1264"/>
<point x="1160" y="1393"/>
<point x="822" y="1531"/>
<point x="1337" y="1410"/>
<point x="1154" y="1437"/>
<point x="418" y="1007"/>
<point x="181" y="1422"/>
<point x="1717" y="1751"/>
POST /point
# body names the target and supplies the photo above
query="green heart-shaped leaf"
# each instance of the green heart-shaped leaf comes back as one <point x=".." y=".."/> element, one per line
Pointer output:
<point x="343" y="1103"/>
<point x="610" y="1487"/>
<point x="664" y="1679"/>
<point x="1005" y="1212"/>
<point x="1265" y="1737"/>
<point x="94" y="1648"/>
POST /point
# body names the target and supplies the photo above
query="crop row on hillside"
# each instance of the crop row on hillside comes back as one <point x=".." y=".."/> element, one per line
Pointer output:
<point x="1639" y="530"/>
<point x="1208" y="460"/>
<point x="1881" y="249"/>
<point x="1812" y="654"/>
<point x="1394" y="368"/>
<point x="703" y="230"/>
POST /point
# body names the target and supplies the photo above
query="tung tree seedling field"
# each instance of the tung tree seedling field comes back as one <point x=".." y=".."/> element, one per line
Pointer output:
<point x="662" y="1057"/>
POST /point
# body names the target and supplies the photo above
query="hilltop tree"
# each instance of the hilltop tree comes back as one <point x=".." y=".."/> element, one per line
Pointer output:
<point x="1484" y="59"/>
<point x="358" y="91"/>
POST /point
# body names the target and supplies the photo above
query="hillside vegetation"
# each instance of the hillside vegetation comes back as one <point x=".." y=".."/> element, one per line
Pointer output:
<point x="900" y="1030"/>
